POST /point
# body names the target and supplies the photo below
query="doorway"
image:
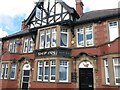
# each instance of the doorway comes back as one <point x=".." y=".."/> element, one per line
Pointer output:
<point x="86" y="81"/>
<point x="25" y="77"/>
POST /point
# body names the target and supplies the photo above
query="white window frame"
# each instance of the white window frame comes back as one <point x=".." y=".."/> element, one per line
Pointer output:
<point x="14" y="46"/>
<point x="13" y="67"/>
<point x="30" y="47"/>
<point x="2" y="71"/>
<point x="116" y="65"/>
<point x="63" y="64"/>
<point x="25" y="48"/>
<point x="89" y="29"/>
<point x="47" y="43"/>
<point x="64" y="31"/>
<point x="46" y="66"/>
<point x="53" y="36"/>
<point x="40" y="65"/>
<point x="42" y="33"/>
<point x="106" y="66"/>
<point x="6" y="72"/>
<point x="10" y="46"/>
<point x="52" y="64"/>
<point x="80" y="31"/>
<point x="113" y="30"/>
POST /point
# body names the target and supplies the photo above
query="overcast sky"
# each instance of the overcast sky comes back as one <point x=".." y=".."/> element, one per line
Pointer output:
<point x="13" y="12"/>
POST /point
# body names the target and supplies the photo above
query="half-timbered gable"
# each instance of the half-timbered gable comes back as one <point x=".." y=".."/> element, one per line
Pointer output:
<point x="50" y="12"/>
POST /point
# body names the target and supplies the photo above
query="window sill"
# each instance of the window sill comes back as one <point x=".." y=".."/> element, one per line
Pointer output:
<point x="53" y="82"/>
<point x="110" y="85"/>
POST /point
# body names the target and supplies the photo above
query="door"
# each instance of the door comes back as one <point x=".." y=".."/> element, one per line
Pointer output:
<point x="25" y="77"/>
<point x="86" y="78"/>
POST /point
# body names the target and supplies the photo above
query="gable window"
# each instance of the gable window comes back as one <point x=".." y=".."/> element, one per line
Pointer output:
<point x="89" y="36"/>
<point x="13" y="71"/>
<point x="40" y="71"/>
<point x="46" y="70"/>
<point x="116" y="62"/>
<point x="80" y="37"/>
<point x="64" y="38"/>
<point x="52" y="70"/>
<point x="53" y="40"/>
<point x="25" y="48"/>
<point x="107" y="78"/>
<point x="30" y="48"/>
<point x="47" y="39"/>
<point x="42" y="39"/>
<point x="113" y="30"/>
<point x="63" y="71"/>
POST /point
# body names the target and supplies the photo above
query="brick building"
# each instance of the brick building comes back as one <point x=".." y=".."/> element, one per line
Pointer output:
<point x="60" y="47"/>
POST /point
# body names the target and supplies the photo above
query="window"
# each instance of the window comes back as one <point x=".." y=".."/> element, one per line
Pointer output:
<point x="113" y="30"/>
<point x="52" y="70"/>
<point x="42" y="39"/>
<point x="47" y="39"/>
<point x="14" y="46"/>
<point x="25" y="46"/>
<point x="46" y="70"/>
<point x="6" y="71"/>
<point x="116" y="62"/>
<point x="64" y="38"/>
<point x="89" y="36"/>
<point x="53" y="40"/>
<point x="40" y="71"/>
<point x="80" y="37"/>
<point x="13" y="71"/>
<point x="2" y="71"/>
<point x="63" y="71"/>
<point x="10" y="46"/>
<point x="30" y="48"/>
<point x="107" y="78"/>
<point x="28" y="45"/>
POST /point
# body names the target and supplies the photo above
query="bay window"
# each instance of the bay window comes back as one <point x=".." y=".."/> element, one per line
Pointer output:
<point x="64" y="38"/>
<point x="63" y="71"/>
<point x="107" y="78"/>
<point x="116" y="63"/>
<point x="6" y="71"/>
<point x="80" y="37"/>
<point x="13" y="71"/>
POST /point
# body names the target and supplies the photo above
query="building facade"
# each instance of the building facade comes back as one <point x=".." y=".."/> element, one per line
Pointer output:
<point x="60" y="47"/>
